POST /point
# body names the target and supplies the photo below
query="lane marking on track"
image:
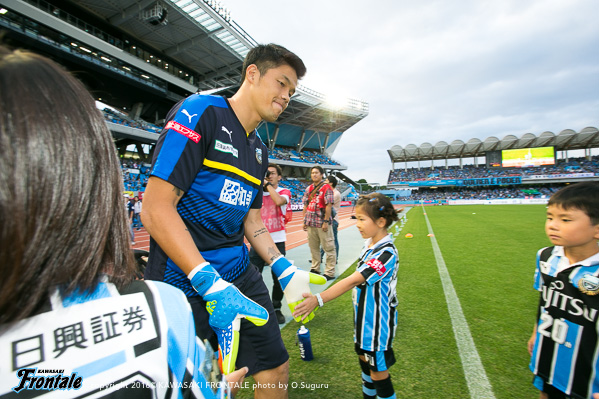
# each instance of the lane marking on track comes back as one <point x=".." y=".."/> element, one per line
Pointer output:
<point x="476" y="378"/>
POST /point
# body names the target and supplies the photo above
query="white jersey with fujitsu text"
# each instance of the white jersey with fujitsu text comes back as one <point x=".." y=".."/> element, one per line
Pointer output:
<point x="566" y="350"/>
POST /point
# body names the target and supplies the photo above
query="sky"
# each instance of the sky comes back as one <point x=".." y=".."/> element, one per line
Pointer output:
<point x="439" y="70"/>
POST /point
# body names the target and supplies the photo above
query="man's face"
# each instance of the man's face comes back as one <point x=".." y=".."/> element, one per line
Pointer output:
<point x="273" y="90"/>
<point x="316" y="175"/>
<point x="273" y="177"/>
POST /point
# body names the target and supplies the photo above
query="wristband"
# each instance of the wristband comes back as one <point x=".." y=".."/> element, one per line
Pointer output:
<point x="326" y="221"/>
<point x="203" y="277"/>
<point x="319" y="299"/>
<point x="197" y="269"/>
<point x="279" y="265"/>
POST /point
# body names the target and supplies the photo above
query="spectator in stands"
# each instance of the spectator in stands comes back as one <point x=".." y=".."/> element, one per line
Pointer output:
<point x="136" y="212"/>
<point x="131" y="217"/>
<point x="69" y="272"/>
<point x="204" y="195"/>
<point x="273" y="212"/>
<point x="318" y="204"/>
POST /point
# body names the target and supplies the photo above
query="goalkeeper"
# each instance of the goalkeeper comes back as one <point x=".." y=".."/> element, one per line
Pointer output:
<point x="204" y="195"/>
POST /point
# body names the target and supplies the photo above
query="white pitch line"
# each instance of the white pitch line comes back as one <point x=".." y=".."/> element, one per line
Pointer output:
<point x="476" y="378"/>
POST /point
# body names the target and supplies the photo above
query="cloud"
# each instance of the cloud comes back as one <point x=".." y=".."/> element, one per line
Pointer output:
<point x="437" y="70"/>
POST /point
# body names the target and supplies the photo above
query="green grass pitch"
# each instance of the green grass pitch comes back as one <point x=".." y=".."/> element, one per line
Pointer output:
<point x="490" y="253"/>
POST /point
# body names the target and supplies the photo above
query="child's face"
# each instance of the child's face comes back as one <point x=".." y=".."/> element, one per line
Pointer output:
<point x="369" y="228"/>
<point x="570" y="228"/>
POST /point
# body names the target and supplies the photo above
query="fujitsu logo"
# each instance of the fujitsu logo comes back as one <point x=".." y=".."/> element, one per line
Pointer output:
<point x="576" y="307"/>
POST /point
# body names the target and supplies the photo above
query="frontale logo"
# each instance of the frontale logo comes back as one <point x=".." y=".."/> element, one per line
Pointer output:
<point x="185" y="131"/>
<point x="589" y="284"/>
<point x="259" y="155"/>
<point x="30" y="379"/>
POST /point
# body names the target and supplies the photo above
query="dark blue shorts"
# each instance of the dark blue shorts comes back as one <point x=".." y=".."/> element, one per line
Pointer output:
<point x="377" y="361"/>
<point x="260" y="348"/>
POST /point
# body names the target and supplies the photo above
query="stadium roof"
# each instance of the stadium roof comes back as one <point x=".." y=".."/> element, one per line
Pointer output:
<point x="201" y="35"/>
<point x="566" y="140"/>
<point x="110" y="45"/>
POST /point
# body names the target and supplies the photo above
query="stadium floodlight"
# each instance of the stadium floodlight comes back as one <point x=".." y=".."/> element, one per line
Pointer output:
<point x="155" y="15"/>
<point x="3" y="10"/>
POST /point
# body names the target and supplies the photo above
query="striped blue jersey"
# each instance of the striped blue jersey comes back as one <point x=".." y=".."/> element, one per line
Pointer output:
<point x="205" y="151"/>
<point x="566" y="350"/>
<point x="108" y="343"/>
<point x="375" y="300"/>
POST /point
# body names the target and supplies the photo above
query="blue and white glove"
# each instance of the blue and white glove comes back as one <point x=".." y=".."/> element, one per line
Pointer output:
<point x="227" y="306"/>
<point x="295" y="282"/>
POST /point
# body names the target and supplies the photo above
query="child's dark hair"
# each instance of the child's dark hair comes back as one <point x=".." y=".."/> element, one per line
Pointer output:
<point x="376" y="206"/>
<point x="583" y="196"/>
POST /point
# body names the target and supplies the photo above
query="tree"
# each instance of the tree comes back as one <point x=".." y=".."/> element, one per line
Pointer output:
<point x="364" y="186"/>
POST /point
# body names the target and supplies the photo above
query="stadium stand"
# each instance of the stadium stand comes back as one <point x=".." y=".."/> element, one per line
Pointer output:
<point x="483" y="193"/>
<point x="306" y="156"/>
<point x="489" y="180"/>
<point x="572" y="165"/>
<point x="438" y="184"/>
<point x="135" y="175"/>
<point x="122" y="119"/>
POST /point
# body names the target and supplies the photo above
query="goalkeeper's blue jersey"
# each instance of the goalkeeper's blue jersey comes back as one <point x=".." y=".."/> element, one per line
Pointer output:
<point x="566" y="350"/>
<point x="375" y="300"/>
<point x="108" y="343"/>
<point x="205" y="151"/>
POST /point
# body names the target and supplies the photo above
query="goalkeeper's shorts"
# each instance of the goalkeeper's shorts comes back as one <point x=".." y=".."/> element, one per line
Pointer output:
<point x="377" y="361"/>
<point x="260" y="348"/>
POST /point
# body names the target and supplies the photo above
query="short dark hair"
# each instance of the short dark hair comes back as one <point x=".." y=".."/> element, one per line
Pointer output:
<point x="61" y="202"/>
<point x="583" y="196"/>
<point x="277" y="167"/>
<point x="320" y="169"/>
<point x="377" y="205"/>
<point x="268" y="56"/>
<point x="333" y="180"/>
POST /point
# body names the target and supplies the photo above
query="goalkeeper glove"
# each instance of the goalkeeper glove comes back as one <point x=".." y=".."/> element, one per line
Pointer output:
<point x="294" y="282"/>
<point x="226" y="305"/>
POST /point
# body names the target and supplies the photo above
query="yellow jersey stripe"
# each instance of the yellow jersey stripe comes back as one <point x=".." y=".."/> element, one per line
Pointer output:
<point x="232" y="169"/>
